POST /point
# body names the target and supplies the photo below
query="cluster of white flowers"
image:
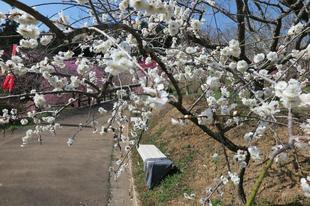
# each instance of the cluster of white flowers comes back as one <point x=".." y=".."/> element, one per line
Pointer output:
<point x="28" y="31"/>
<point x="302" y="54"/>
<point x="70" y="141"/>
<point x="101" y="46"/>
<point x="254" y="152"/>
<point x="259" y="58"/>
<point x="46" y="39"/>
<point x="83" y="66"/>
<point x="232" y="50"/>
<point x="242" y="66"/>
<point x="7" y="116"/>
<point x="24" y="121"/>
<point x="305" y="186"/>
<point x="29" y="135"/>
<point x="272" y="56"/>
<point x="234" y="178"/>
<point x="177" y="121"/>
<point x="56" y="82"/>
<point x="28" y="43"/>
<point x="296" y="29"/>
<point x="81" y="1"/>
<point x="39" y="100"/>
<point x="306" y="127"/>
<point x="120" y="63"/>
<point x="49" y="119"/>
<point x="267" y="109"/>
<point x="240" y="157"/>
<point x="158" y="97"/>
<point x="291" y="94"/>
<point x="150" y="7"/>
<point x="75" y="82"/>
<point x="280" y="158"/>
<point x="205" y="117"/>
<point x="195" y="25"/>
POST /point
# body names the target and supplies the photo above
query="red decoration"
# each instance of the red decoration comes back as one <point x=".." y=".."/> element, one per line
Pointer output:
<point x="8" y="83"/>
<point x="146" y="66"/>
<point x="14" y="47"/>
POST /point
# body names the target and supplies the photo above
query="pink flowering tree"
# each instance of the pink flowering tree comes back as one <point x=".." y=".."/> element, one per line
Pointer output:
<point x="256" y="73"/>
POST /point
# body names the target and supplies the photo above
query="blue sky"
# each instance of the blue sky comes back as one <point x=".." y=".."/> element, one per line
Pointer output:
<point x="76" y="12"/>
<point x="49" y="10"/>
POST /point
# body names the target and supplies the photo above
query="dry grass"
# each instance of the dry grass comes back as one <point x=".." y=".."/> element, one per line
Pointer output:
<point x="191" y="150"/>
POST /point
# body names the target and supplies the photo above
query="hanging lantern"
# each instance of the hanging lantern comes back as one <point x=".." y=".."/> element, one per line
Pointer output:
<point x="8" y="83"/>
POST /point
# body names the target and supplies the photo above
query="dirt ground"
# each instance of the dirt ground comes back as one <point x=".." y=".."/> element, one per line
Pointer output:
<point x="191" y="150"/>
<point x="53" y="174"/>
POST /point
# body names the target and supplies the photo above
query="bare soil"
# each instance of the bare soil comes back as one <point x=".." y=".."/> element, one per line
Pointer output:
<point x="192" y="151"/>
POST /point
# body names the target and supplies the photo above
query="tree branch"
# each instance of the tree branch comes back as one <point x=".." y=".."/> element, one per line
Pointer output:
<point x="38" y="16"/>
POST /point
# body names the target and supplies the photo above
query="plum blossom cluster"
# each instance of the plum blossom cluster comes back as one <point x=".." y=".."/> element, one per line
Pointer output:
<point x="8" y="115"/>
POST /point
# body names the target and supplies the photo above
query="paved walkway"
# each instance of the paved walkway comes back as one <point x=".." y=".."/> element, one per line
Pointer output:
<point x="54" y="174"/>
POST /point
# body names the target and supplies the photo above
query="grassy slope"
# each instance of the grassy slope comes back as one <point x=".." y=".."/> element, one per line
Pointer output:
<point x="191" y="151"/>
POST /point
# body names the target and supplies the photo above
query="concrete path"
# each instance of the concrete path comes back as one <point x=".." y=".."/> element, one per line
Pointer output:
<point x="54" y="174"/>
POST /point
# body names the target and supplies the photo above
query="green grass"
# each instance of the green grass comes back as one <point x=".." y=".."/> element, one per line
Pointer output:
<point x="10" y="127"/>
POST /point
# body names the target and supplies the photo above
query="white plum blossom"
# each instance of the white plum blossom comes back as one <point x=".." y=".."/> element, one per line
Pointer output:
<point x="101" y="46"/>
<point x="213" y="82"/>
<point x="259" y="58"/>
<point x="120" y="63"/>
<point x="305" y="100"/>
<point x="81" y="1"/>
<point x="83" y="67"/>
<point x="205" y="117"/>
<point x="215" y="157"/>
<point x="28" y="31"/>
<point x="195" y="24"/>
<point x="46" y="39"/>
<point x="233" y="65"/>
<point x="39" y="100"/>
<point x="138" y="4"/>
<point x="234" y="48"/>
<point x="173" y="27"/>
<point x="296" y="29"/>
<point x="177" y="121"/>
<point x="224" y="180"/>
<point x="159" y="100"/>
<point x="153" y="52"/>
<point x="49" y="119"/>
<point x="249" y="136"/>
<point x="70" y="141"/>
<point x="24" y="121"/>
<point x="29" y="135"/>
<point x="305" y="186"/>
<point x="280" y="158"/>
<point x="254" y="152"/>
<point x="289" y="92"/>
<point x="26" y="19"/>
<point x="234" y="178"/>
<point x="306" y="127"/>
<point x="267" y="109"/>
<point x="28" y="43"/>
<point x="75" y="82"/>
<point x="272" y="56"/>
<point x="123" y="5"/>
<point x="242" y="66"/>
